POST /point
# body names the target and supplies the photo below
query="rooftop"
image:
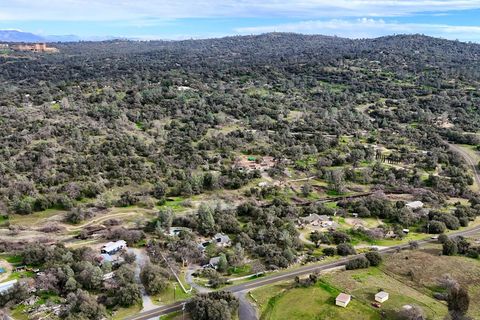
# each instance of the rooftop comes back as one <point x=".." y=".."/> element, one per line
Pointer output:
<point x="382" y="294"/>
<point x="343" y="297"/>
<point x="214" y="261"/>
<point x="4" y="286"/>
<point x="314" y="217"/>
<point x="112" y="246"/>
<point x="415" y="204"/>
<point x="221" y="238"/>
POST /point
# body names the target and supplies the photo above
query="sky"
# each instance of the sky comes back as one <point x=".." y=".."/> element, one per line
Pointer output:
<point x="185" y="19"/>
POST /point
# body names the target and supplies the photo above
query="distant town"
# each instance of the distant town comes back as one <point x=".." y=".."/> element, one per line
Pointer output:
<point x="32" y="47"/>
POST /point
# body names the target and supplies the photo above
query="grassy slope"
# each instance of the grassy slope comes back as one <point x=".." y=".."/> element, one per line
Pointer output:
<point x="316" y="302"/>
<point x="411" y="277"/>
<point x="364" y="284"/>
<point x="424" y="268"/>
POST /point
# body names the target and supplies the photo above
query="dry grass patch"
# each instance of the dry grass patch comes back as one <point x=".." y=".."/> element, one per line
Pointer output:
<point x="423" y="268"/>
<point x="364" y="284"/>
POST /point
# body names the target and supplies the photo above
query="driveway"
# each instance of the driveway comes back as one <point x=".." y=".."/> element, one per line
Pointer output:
<point x="246" y="310"/>
<point x="142" y="259"/>
<point x="189" y="279"/>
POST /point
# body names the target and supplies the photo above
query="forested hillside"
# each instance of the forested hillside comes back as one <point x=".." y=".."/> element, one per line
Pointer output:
<point x="175" y="115"/>
<point x="133" y="170"/>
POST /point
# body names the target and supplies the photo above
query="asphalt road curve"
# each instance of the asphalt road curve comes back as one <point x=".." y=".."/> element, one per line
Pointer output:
<point x="469" y="159"/>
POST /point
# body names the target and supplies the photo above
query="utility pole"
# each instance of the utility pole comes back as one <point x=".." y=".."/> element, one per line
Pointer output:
<point x="174" y="291"/>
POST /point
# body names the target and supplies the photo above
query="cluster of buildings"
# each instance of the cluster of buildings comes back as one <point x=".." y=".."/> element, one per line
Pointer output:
<point x="251" y="163"/>
<point x="32" y="47"/>
<point x="220" y="240"/>
<point x="316" y="220"/>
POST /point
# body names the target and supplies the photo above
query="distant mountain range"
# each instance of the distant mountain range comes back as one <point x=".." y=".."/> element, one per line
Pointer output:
<point x="20" y="36"/>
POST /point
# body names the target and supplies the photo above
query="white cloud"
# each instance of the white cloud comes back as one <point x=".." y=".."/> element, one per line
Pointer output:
<point x="114" y="10"/>
<point x="368" y="28"/>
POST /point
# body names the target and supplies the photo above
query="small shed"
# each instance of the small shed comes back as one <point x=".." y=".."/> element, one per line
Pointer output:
<point x="343" y="300"/>
<point x="381" y="297"/>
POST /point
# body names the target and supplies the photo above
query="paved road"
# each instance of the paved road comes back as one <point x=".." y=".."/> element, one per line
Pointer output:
<point x="246" y="310"/>
<point x="281" y="276"/>
<point x="470" y="160"/>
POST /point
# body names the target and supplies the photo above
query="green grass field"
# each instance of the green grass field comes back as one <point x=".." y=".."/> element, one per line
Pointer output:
<point x="175" y="203"/>
<point x="364" y="284"/>
<point x="18" y="313"/>
<point x="168" y="296"/>
<point x="34" y="218"/>
<point x="316" y="302"/>
<point x="284" y="301"/>
<point x="125" y="312"/>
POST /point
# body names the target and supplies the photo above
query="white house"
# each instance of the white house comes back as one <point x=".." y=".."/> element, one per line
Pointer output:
<point x="113" y="247"/>
<point x="5" y="286"/>
<point x="343" y="300"/>
<point x="381" y="297"/>
<point x="108" y="276"/>
<point x="415" y="205"/>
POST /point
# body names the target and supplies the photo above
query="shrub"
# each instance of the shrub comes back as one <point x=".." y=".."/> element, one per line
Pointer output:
<point x="340" y="237"/>
<point x="442" y="238"/>
<point x="472" y="253"/>
<point x="218" y="305"/>
<point x="449" y="248"/>
<point x="329" y="251"/>
<point x="345" y="249"/>
<point x="450" y="221"/>
<point x="436" y="226"/>
<point x="358" y="263"/>
<point x="413" y="245"/>
<point x="153" y="278"/>
<point x="374" y="258"/>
